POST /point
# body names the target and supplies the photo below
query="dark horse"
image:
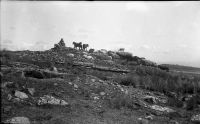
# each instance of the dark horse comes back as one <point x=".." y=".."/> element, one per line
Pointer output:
<point x="85" y="46"/>
<point x="79" y="45"/>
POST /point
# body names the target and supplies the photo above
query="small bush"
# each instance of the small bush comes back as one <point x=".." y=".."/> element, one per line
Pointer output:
<point x="121" y="101"/>
<point x="174" y="102"/>
<point x="102" y="56"/>
<point x="6" y="56"/>
<point x="192" y="103"/>
<point x="125" y="55"/>
<point x="91" y="50"/>
<point x="128" y="80"/>
<point x="101" y="75"/>
<point x="160" y="80"/>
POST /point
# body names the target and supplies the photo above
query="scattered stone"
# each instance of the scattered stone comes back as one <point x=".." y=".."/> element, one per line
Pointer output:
<point x="16" y="100"/>
<point x="75" y="86"/>
<point x="101" y="81"/>
<point x="70" y="55"/>
<point x="9" y="97"/>
<point x="18" y="120"/>
<point x="21" y="95"/>
<point x="113" y="54"/>
<point x="163" y="109"/>
<point x="91" y="50"/>
<point x="7" y="109"/>
<point x="109" y="61"/>
<point x="46" y="99"/>
<point x="93" y="80"/>
<point x="186" y="97"/>
<point x="142" y="121"/>
<point x="122" y="89"/>
<point x="87" y="57"/>
<point x="172" y="94"/>
<point x="102" y="56"/>
<point x="103" y="51"/>
<point x="124" y="54"/>
<point x="173" y="122"/>
<point x="6" y="84"/>
<point x="149" y="117"/>
<point x="85" y="53"/>
<point x="110" y="57"/>
<point x="96" y="98"/>
<point x="102" y="93"/>
<point x="31" y="91"/>
<point x="196" y="118"/>
<point x="18" y="73"/>
<point x="1" y="75"/>
<point x="126" y="92"/>
<point x="70" y="83"/>
<point x="54" y="69"/>
<point x="63" y="102"/>
<point x="150" y="99"/>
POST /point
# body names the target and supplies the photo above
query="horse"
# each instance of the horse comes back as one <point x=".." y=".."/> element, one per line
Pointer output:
<point x="79" y="45"/>
<point x="85" y="46"/>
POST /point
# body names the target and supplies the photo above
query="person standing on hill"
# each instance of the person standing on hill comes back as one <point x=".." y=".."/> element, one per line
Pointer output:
<point x="61" y="43"/>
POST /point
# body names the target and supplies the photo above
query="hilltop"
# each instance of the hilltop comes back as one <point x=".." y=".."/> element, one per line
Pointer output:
<point x="64" y="85"/>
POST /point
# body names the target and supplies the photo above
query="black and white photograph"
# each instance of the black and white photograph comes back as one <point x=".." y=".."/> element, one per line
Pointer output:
<point x="100" y="62"/>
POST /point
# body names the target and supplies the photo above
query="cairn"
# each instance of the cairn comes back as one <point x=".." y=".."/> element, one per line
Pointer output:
<point x="60" y="45"/>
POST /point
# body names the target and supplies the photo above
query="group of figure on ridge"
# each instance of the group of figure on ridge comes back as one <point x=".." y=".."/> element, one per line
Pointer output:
<point x="79" y="45"/>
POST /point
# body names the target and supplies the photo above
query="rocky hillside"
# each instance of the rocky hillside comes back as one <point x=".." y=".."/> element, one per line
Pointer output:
<point x="68" y="86"/>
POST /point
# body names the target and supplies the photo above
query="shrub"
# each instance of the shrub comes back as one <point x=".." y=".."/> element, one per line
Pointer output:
<point x="101" y="75"/>
<point x="125" y="55"/>
<point x="121" y="49"/>
<point x="6" y="56"/>
<point x="128" y="80"/>
<point x="164" y="81"/>
<point x="132" y="63"/>
<point x="120" y="101"/>
<point x="91" y="50"/>
<point x="102" y="56"/>
<point x="174" y="102"/>
<point x="191" y="102"/>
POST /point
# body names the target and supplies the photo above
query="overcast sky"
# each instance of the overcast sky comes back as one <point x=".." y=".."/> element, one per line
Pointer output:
<point x="164" y="32"/>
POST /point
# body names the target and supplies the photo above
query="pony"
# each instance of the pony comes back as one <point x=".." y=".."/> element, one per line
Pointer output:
<point x="85" y="46"/>
<point x="79" y="45"/>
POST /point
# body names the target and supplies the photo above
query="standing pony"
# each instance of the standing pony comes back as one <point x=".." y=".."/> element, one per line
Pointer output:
<point x="85" y="46"/>
<point x="79" y="45"/>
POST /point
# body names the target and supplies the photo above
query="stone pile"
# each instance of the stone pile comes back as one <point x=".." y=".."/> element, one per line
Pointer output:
<point x="60" y="45"/>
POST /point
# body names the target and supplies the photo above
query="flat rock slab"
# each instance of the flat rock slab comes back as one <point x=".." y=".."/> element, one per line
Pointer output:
<point x="162" y="109"/>
<point x="46" y="99"/>
<point x="18" y="120"/>
<point x="196" y="118"/>
<point x="21" y="95"/>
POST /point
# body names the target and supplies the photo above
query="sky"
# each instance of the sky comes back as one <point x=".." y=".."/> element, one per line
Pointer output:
<point x="163" y="32"/>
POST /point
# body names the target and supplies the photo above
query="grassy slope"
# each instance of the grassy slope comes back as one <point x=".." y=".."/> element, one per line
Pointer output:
<point x="183" y="68"/>
<point x="82" y="109"/>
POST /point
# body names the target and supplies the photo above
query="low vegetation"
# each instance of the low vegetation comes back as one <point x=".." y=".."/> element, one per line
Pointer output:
<point x="92" y="93"/>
